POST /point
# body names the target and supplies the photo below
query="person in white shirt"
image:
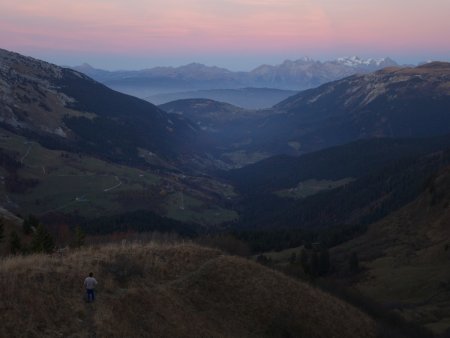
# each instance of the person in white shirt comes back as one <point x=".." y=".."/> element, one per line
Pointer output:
<point x="89" y="284"/>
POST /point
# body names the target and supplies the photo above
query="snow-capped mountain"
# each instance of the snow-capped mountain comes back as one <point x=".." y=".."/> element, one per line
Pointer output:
<point x="300" y="74"/>
<point x="356" y="61"/>
<point x="306" y="73"/>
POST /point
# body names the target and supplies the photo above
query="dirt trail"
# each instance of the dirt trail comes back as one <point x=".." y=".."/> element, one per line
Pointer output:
<point x="91" y="329"/>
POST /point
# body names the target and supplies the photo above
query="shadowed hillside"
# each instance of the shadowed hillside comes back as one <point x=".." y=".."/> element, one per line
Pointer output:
<point x="166" y="291"/>
<point x="405" y="257"/>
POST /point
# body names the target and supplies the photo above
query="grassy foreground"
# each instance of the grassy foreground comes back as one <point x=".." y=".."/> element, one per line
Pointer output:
<point x="156" y="290"/>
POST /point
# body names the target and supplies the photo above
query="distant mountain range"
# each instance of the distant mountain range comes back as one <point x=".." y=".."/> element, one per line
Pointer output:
<point x="294" y="75"/>
<point x="290" y="75"/>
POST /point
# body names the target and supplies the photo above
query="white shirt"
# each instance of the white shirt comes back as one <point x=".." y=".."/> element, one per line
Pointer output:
<point x="90" y="283"/>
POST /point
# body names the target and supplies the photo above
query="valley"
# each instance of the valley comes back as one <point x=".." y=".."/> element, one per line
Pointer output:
<point x="225" y="169"/>
<point x="261" y="87"/>
<point x="356" y="167"/>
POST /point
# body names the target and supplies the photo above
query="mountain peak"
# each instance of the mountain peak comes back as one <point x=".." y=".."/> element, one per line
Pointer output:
<point x="435" y="65"/>
<point x="194" y="65"/>
<point x="304" y="59"/>
<point x="356" y="61"/>
<point x="85" y="66"/>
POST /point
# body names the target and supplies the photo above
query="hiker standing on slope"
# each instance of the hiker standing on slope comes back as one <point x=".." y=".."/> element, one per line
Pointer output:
<point x="89" y="284"/>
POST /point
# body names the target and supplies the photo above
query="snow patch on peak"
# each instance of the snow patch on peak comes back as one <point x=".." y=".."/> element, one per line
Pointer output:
<point x="354" y="61"/>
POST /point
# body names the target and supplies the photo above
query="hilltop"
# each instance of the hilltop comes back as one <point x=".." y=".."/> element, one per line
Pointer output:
<point x="166" y="291"/>
<point x="248" y="98"/>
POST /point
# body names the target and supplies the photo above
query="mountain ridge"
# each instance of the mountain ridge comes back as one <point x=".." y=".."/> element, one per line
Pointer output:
<point x="248" y="98"/>
<point x="67" y="108"/>
<point x="392" y="102"/>
<point x="289" y="75"/>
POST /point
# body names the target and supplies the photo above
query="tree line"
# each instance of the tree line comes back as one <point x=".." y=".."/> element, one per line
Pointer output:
<point x="35" y="237"/>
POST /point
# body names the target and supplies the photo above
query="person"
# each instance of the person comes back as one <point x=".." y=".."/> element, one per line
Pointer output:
<point x="89" y="284"/>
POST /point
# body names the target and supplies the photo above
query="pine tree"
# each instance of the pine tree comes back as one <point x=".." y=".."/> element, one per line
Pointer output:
<point x="293" y="258"/>
<point x="304" y="261"/>
<point x="42" y="240"/>
<point x="79" y="237"/>
<point x="354" y="262"/>
<point x="314" y="264"/>
<point x="324" y="262"/>
<point x="14" y="243"/>
<point x="2" y="230"/>
<point x="29" y="223"/>
<point x="262" y="259"/>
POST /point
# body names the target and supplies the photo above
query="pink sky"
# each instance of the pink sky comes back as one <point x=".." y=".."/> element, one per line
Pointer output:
<point x="232" y="33"/>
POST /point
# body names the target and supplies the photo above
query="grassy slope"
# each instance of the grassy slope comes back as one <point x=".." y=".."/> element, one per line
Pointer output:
<point x="72" y="183"/>
<point x="405" y="261"/>
<point x="166" y="291"/>
<point x="312" y="187"/>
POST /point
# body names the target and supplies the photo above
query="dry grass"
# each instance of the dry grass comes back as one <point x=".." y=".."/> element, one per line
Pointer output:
<point x="156" y="290"/>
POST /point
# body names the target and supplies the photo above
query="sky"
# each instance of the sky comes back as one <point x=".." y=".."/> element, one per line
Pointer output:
<point x="236" y="34"/>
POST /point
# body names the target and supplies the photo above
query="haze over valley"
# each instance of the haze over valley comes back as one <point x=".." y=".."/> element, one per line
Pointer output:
<point x="262" y="87"/>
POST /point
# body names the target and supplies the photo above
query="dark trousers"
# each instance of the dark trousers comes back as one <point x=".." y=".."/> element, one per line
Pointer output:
<point x="90" y="295"/>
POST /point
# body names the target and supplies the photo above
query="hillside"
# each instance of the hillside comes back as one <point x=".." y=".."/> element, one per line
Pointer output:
<point x="248" y="98"/>
<point x="394" y="102"/>
<point x="166" y="291"/>
<point x="354" y="184"/>
<point x="58" y="185"/>
<point x="64" y="109"/>
<point x="69" y="146"/>
<point x="352" y="160"/>
<point x="405" y="257"/>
